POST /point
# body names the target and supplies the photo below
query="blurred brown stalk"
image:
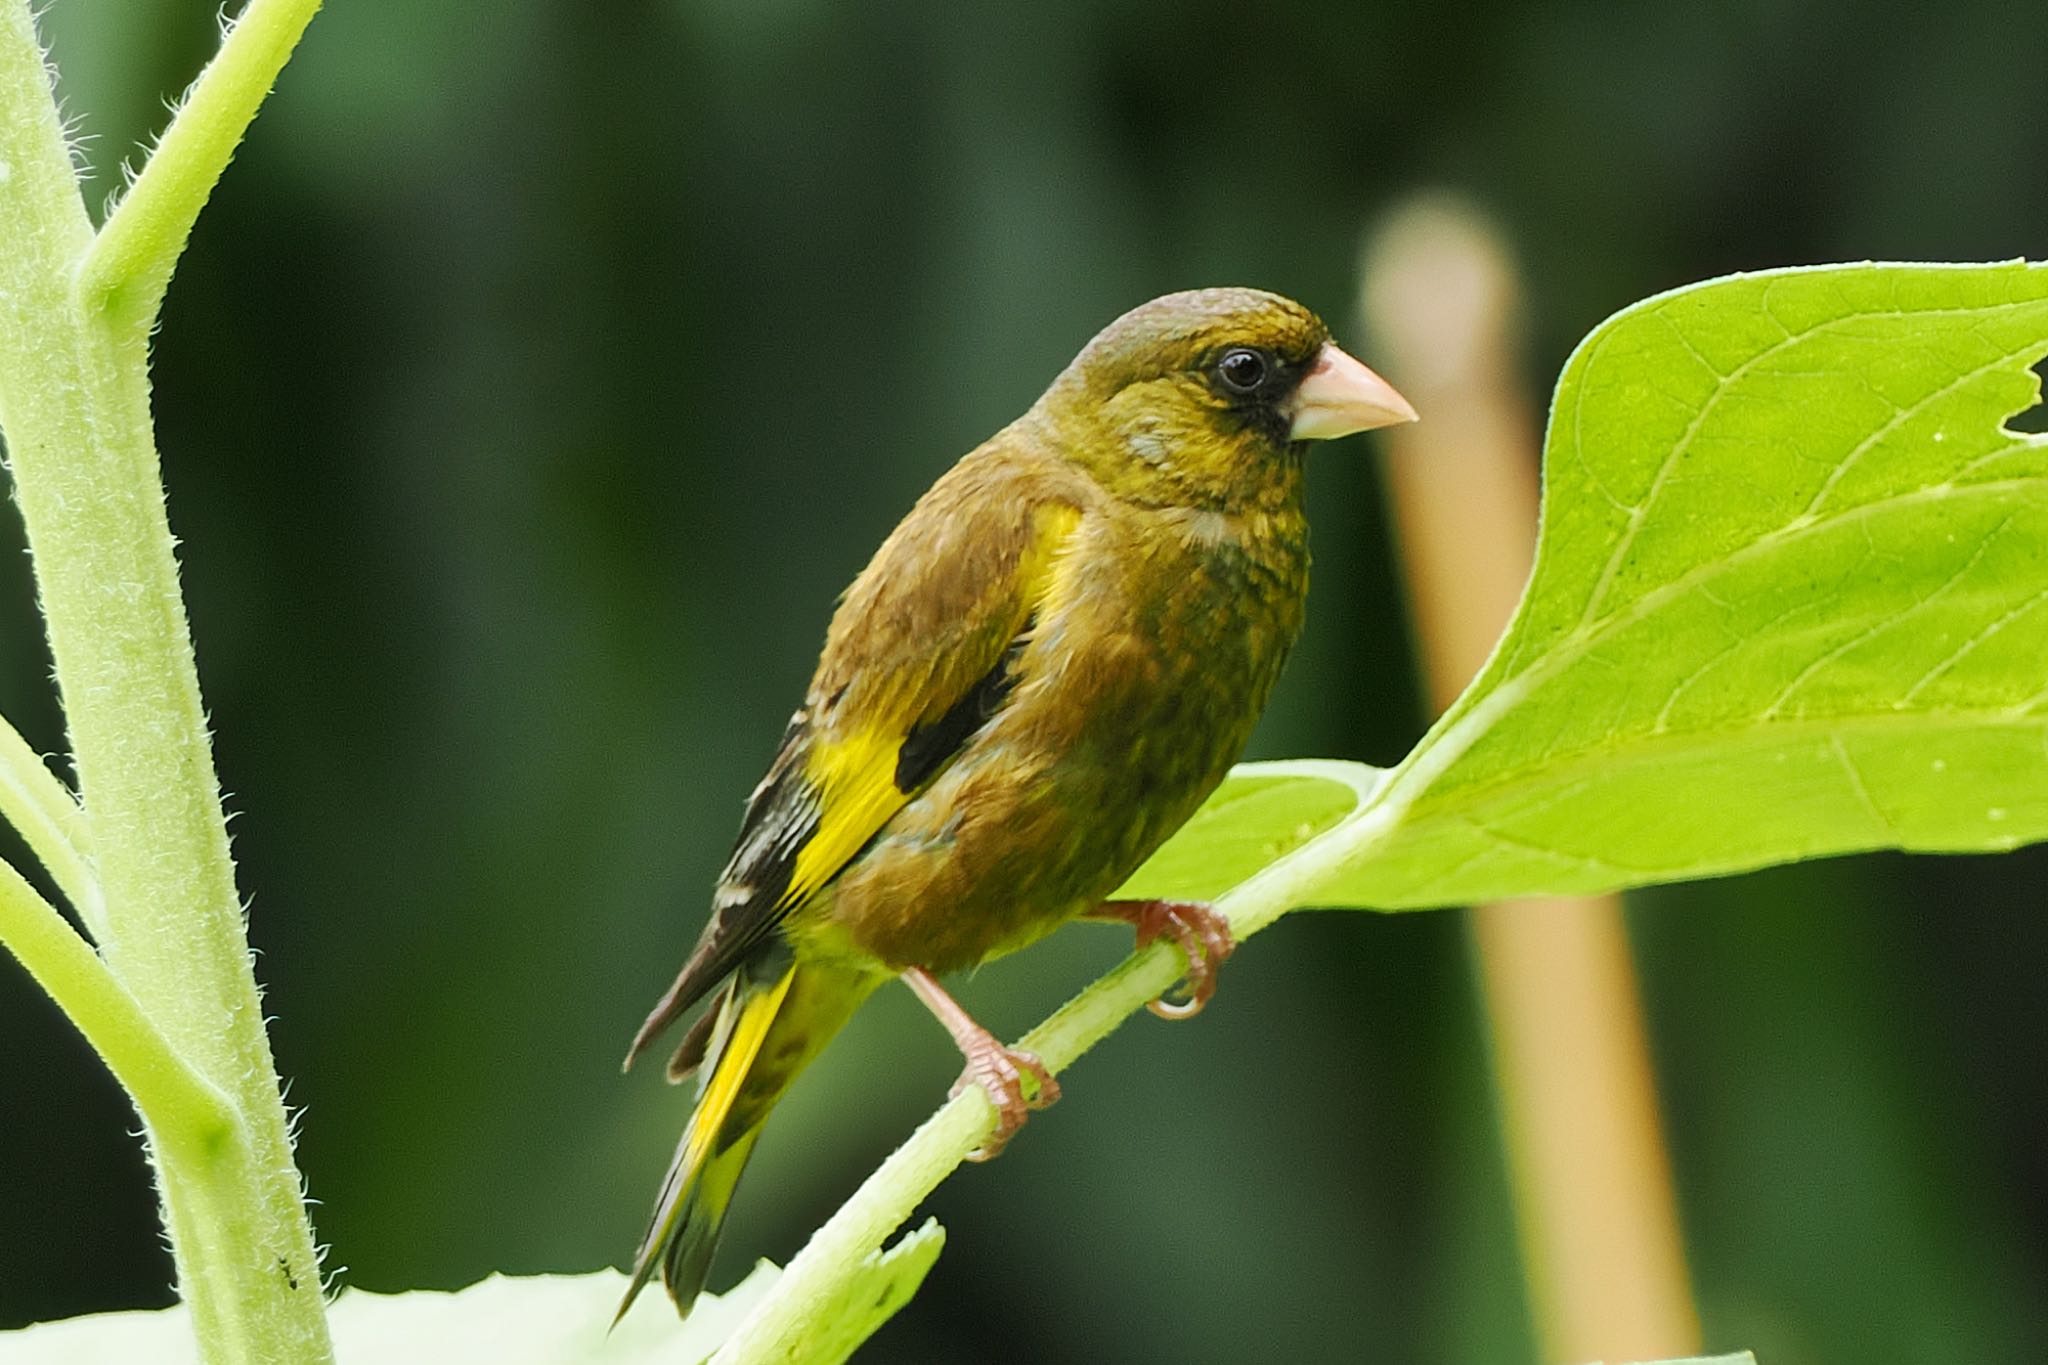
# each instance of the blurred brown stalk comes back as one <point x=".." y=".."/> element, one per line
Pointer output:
<point x="1594" y="1205"/>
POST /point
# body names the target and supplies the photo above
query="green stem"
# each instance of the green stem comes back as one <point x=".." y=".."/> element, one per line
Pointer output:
<point x="128" y="266"/>
<point x="74" y="401"/>
<point x="180" y="1106"/>
<point x="43" y="810"/>
<point x="809" y="1287"/>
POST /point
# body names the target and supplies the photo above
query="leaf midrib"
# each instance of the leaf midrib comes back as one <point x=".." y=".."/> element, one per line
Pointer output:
<point x="1466" y="729"/>
<point x="1563" y="772"/>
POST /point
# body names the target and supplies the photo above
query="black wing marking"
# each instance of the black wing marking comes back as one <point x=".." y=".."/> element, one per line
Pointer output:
<point x="927" y="749"/>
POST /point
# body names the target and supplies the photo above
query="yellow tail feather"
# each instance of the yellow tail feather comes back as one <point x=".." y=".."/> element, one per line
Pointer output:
<point x="767" y="1032"/>
<point x="698" y="1189"/>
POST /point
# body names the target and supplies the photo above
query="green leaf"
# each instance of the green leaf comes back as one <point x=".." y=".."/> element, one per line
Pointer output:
<point x="531" y="1320"/>
<point x="1790" y="599"/>
<point x="1261" y="813"/>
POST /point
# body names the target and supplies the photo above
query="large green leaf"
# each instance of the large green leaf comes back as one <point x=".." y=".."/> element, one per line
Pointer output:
<point x="1788" y="600"/>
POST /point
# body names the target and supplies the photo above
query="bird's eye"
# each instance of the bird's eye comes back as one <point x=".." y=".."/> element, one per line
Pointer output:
<point x="1242" y="370"/>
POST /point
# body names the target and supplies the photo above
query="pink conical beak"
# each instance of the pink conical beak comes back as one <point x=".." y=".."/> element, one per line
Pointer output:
<point x="1339" y="396"/>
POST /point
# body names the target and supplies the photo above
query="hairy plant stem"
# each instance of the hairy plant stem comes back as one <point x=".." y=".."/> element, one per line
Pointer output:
<point x="180" y="1106"/>
<point x="74" y="403"/>
<point x="42" y="809"/>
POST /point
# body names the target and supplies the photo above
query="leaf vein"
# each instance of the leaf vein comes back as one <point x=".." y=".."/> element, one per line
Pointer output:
<point x="1880" y="626"/>
<point x="1948" y="665"/>
<point x="1735" y="643"/>
<point x="1692" y="350"/>
<point x="1683" y="446"/>
<point x="1905" y="414"/>
<point x="1559" y="769"/>
<point x="1519" y="845"/>
<point x="1860" y="788"/>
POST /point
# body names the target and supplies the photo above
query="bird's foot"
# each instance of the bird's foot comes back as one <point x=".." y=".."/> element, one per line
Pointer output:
<point x="1202" y="933"/>
<point x="1000" y="1071"/>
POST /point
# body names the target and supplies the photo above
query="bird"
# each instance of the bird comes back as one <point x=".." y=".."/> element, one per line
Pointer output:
<point x="1044" y="670"/>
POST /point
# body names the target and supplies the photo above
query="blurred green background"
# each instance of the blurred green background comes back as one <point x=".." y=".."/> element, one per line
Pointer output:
<point x="540" y="372"/>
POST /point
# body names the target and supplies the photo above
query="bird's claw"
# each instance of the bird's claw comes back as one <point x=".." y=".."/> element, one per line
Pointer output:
<point x="1201" y="933"/>
<point x="1000" y="1072"/>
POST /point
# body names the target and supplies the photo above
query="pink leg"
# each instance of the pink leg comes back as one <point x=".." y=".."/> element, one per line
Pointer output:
<point x="1201" y="933"/>
<point x="996" y="1069"/>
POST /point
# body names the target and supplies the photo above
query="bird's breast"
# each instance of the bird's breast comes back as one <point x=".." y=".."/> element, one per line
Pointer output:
<point x="1160" y="645"/>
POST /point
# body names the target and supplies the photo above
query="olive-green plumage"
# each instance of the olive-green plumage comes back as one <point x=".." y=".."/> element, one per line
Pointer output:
<point x="1042" y="673"/>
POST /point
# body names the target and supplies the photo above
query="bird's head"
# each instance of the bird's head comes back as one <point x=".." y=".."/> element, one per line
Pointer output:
<point x="1207" y="398"/>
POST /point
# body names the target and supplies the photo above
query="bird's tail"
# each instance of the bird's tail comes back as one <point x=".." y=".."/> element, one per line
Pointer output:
<point x="768" y="1028"/>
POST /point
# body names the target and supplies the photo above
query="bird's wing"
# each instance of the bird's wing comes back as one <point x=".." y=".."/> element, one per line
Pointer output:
<point x="918" y="656"/>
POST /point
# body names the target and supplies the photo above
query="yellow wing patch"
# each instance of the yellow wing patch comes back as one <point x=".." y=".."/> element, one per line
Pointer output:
<point x="856" y="781"/>
<point x="854" y="774"/>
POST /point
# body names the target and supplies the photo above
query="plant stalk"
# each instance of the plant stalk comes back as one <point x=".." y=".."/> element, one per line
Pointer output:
<point x="179" y="1105"/>
<point x="74" y="403"/>
<point x="128" y="265"/>
<point x="42" y="809"/>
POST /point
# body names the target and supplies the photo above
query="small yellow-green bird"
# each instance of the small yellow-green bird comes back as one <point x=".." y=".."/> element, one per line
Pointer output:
<point x="1041" y="674"/>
